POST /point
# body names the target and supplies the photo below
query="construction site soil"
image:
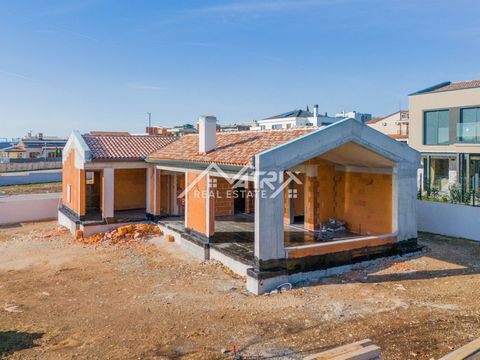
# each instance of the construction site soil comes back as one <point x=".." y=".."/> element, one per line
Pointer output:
<point x="64" y="299"/>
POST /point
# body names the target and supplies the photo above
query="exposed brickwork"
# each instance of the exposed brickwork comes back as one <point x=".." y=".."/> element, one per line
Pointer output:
<point x="130" y="189"/>
<point x="311" y="205"/>
<point x="224" y="203"/>
<point x="71" y="178"/>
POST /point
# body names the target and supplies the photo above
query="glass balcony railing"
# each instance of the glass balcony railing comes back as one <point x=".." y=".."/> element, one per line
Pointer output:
<point x="468" y="133"/>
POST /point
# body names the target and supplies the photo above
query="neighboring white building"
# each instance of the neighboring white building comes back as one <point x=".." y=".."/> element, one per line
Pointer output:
<point x="394" y="125"/>
<point x="295" y="118"/>
<point x="354" y="115"/>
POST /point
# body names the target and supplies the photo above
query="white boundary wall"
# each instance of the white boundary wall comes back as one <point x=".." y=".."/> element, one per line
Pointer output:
<point x="31" y="207"/>
<point x="449" y="219"/>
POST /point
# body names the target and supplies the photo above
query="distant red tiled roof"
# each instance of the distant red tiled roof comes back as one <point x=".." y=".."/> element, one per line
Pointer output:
<point x="459" y="85"/>
<point x="125" y="147"/>
<point x="233" y="148"/>
<point x="398" y="136"/>
<point x="448" y="86"/>
<point x="375" y="120"/>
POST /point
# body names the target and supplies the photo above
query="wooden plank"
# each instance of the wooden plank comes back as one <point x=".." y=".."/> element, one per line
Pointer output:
<point x="329" y="354"/>
<point x="471" y="351"/>
<point x="371" y="352"/>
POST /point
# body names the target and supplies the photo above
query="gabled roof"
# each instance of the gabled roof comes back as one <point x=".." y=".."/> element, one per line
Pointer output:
<point x="233" y="148"/>
<point x="449" y="86"/>
<point x="125" y="147"/>
<point x="293" y="113"/>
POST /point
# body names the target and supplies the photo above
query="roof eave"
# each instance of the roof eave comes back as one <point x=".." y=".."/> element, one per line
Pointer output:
<point x="196" y="165"/>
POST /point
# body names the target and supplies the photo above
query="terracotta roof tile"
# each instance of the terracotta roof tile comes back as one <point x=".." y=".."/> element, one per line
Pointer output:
<point x="121" y="147"/>
<point x="448" y="86"/>
<point x="398" y="136"/>
<point x="375" y="120"/>
<point x="233" y="148"/>
<point x="459" y="85"/>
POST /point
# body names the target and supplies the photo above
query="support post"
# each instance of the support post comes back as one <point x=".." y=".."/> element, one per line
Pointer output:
<point x="108" y="188"/>
<point x="311" y="198"/>
<point x="269" y="205"/>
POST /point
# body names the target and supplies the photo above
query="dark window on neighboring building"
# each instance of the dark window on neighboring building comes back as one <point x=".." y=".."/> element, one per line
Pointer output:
<point x="435" y="126"/>
<point x="468" y="130"/>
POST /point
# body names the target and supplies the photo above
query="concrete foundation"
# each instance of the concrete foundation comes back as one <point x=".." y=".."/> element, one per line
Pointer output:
<point x="261" y="286"/>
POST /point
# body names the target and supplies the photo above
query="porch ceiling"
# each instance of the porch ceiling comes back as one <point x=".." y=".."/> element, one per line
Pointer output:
<point x="352" y="154"/>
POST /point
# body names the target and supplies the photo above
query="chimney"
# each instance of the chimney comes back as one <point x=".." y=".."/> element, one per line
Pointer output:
<point x="315" y="110"/>
<point x="207" y="134"/>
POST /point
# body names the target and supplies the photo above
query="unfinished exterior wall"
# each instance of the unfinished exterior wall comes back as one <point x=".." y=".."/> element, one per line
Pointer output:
<point x="224" y="204"/>
<point x="130" y="189"/>
<point x="327" y="190"/>
<point x="201" y="211"/>
<point x="365" y="202"/>
<point x="73" y="185"/>
<point x="180" y="189"/>
<point x="299" y="200"/>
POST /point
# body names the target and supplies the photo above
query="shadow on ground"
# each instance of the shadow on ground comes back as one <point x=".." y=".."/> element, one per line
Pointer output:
<point x="12" y="341"/>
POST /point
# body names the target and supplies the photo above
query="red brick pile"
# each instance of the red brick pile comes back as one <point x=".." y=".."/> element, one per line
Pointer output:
<point x="125" y="234"/>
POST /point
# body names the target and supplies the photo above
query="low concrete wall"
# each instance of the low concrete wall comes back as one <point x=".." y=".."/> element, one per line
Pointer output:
<point x="30" y="207"/>
<point x="30" y="178"/>
<point x="449" y="219"/>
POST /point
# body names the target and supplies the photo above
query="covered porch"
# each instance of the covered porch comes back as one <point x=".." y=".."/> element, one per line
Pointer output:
<point x="114" y="194"/>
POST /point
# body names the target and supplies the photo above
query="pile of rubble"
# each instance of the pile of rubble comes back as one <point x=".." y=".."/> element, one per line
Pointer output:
<point x="125" y="234"/>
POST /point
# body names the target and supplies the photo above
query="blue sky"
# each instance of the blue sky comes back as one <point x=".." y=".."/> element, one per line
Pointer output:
<point x="102" y="64"/>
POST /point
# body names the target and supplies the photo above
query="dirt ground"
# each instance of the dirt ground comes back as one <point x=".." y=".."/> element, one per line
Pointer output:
<point x="63" y="300"/>
<point x="30" y="189"/>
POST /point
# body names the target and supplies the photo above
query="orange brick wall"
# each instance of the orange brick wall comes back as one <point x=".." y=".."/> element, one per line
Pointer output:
<point x="224" y="202"/>
<point x="366" y="202"/>
<point x="250" y="198"/>
<point x="75" y="179"/>
<point x="299" y="201"/>
<point x="130" y="189"/>
<point x="197" y="204"/>
<point x="363" y="200"/>
<point x="164" y="191"/>
<point x="326" y="191"/>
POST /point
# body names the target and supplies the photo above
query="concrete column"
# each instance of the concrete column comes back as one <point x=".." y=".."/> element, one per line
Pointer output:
<point x="269" y="205"/>
<point x="404" y="192"/>
<point x="150" y="190"/>
<point x="108" y="205"/>
<point x="157" y="207"/>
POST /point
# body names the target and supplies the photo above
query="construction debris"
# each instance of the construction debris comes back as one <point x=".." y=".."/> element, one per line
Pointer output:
<point x="125" y="235"/>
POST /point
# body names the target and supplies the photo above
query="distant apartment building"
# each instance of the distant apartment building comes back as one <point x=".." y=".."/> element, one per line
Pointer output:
<point x="394" y="125"/>
<point x="445" y="128"/>
<point x="363" y="117"/>
<point x="294" y="119"/>
<point x="33" y="147"/>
